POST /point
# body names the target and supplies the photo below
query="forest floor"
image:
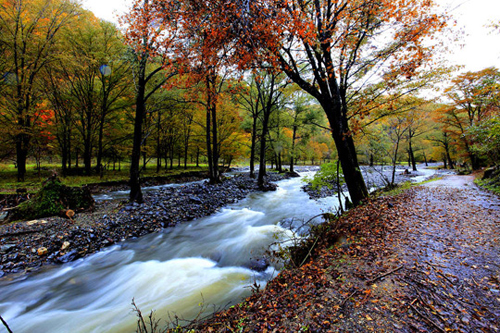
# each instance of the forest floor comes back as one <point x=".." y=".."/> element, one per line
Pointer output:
<point x="427" y="260"/>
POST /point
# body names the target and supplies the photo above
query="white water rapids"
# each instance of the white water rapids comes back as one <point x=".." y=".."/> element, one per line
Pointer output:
<point x="202" y="261"/>
<point x="170" y="272"/>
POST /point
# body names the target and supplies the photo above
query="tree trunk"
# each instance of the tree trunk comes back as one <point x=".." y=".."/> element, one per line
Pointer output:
<point x="209" y="144"/>
<point x="253" y="146"/>
<point x="69" y="149"/>
<point x="346" y="153"/>
<point x="99" y="165"/>
<point x="211" y="135"/>
<point x="87" y="155"/>
<point x="394" y="160"/>
<point x="186" y="147"/>
<point x="292" y="152"/>
<point x="140" y="111"/>
<point x="76" y="158"/>
<point x="215" y="145"/>
<point x="21" y="156"/>
<point x="22" y="139"/>
<point x="158" y="143"/>
<point x="262" y="157"/>
<point x="64" y="156"/>
<point x="412" y="156"/>
<point x="87" y="144"/>
<point x="448" y="157"/>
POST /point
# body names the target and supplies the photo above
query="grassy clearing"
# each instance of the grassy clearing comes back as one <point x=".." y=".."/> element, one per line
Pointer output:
<point x="34" y="178"/>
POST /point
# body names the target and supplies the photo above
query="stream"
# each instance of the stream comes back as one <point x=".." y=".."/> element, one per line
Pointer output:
<point x="173" y="272"/>
<point x="195" y="267"/>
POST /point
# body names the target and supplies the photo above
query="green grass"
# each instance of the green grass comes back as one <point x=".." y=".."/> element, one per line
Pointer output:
<point x="427" y="181"/>
<point x="487" y="184"/>
<point x="400" y="188"/>
<point x="33" y="179"/>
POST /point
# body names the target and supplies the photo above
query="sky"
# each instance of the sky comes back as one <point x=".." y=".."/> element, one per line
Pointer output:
<point x="478" y="48"/>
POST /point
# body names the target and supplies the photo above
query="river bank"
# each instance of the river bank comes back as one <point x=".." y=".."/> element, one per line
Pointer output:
<point x="26" y="246"/>
<point x="426" y="260"/>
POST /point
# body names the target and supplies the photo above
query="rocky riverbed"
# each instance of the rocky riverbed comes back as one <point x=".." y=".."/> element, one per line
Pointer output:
<point x="28" y="245"/>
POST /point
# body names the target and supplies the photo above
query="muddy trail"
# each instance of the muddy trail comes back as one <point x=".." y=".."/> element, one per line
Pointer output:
<point x="427" y="260"/>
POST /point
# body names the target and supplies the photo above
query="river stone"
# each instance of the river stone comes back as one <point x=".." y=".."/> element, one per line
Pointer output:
<point x="196" y="200"/>
<point x="72" y="255"/>
<point x="258" y="265"/>
<point x="65" y="246"/>
<point x="5" y="248"/>
<point x="293" y="174"/>
<point x="42" y="251"/>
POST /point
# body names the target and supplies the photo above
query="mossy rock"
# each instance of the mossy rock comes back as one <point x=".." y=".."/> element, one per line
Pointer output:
<point x="53" y="198"/>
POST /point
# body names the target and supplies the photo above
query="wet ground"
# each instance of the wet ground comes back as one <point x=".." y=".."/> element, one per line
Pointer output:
<point x="452" y="243"/>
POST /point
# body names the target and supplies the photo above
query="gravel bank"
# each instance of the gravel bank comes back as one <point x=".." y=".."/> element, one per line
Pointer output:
<point x="28" y="245"/>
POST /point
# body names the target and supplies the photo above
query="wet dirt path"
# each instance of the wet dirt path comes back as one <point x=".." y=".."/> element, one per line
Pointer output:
<point x="450" y="246"/>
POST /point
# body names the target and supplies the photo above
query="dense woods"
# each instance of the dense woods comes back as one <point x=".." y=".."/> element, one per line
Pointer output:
<point x="218" y="83"/>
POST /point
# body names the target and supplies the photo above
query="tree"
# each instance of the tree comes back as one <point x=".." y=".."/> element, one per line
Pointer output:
<point x="58" y="93"/>
<point x="474" y="97"/>
<point x="305" y="118"/>
<point x="270" y="91"/>
<point x="332" y="49"/>
<point x="97" y="73"/>
<point x="417" y="125"/>
<point x="250" y="102"/>
<point x="199" y="51"/>
<point x="143" y="35"/>
<point x="486" y="138"/>
<point x="29" y="36"/>
<point x="396" y="129"/>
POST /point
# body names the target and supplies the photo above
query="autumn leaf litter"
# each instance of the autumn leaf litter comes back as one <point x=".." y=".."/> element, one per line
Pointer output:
<point x="424" y="261"/>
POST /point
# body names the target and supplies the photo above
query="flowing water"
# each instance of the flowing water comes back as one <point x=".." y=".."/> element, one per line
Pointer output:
<point x="173" y="272"/>
<point x="178" y="272"/>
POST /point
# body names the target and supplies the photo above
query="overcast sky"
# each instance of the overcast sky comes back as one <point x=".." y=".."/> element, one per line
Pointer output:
<point x="480" y="48"/>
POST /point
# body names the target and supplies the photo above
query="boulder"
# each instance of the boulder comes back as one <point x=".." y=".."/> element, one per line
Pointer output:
<point x="70" y="256"/>
<point x="489" y="173"/>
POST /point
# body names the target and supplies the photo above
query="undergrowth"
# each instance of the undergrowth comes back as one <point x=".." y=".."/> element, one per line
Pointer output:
<point x="490" y="180"/>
